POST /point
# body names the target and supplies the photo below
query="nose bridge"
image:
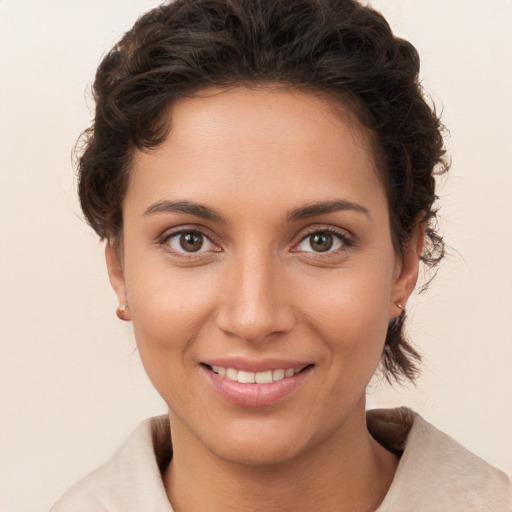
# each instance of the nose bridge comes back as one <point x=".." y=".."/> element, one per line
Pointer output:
<point x="254" y="304"/>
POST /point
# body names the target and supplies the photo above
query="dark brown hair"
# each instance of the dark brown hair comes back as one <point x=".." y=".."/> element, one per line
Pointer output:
<point x="336" y="48"/>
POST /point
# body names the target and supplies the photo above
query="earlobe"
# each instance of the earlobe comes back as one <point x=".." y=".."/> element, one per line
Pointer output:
<point x="116" y="276"/>
<point x="122" y="312"/>
<point x="406" y="280"/>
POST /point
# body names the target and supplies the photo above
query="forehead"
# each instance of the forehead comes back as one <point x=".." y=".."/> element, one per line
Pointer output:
<point x="280" y="144"/>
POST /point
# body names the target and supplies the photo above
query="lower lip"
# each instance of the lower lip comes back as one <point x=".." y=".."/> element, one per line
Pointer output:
<point x="255" y="395"/>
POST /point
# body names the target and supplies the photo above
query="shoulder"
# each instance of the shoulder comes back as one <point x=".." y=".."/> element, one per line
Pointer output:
<point x="435" y="472"/>
<point x="131" y="479"/>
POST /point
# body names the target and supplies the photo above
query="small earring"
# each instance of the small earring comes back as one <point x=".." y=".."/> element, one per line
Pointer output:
<point x="398" y="305"/>
<point x="120" y="311"/>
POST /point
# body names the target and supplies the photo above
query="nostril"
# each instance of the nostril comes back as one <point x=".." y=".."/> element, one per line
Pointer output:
<point x="256" y="321"/>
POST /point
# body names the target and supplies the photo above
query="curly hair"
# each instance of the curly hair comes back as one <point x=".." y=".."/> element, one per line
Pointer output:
<point x="337" y="48"/>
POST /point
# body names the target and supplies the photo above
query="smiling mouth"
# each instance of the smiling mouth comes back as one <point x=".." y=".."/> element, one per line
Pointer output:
<point x="255" y="389"/>
<point x="265" y="377"/>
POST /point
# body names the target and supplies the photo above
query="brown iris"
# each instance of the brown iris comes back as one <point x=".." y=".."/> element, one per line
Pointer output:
<point x="191" y="242"/>
<point x="321" y="242"/>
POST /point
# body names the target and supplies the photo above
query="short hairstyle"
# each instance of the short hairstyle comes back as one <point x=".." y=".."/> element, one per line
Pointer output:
<point x="336" y="48"/>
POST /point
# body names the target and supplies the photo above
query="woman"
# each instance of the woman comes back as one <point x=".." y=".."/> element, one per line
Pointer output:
<point x="263" y="175"/>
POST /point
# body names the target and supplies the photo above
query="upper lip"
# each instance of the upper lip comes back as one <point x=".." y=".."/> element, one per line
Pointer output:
<point x="253" y="365"/>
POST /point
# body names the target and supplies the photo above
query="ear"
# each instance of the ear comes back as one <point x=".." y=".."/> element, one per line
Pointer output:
<point x="408" y="269"/>
<point x="116" y="276"/>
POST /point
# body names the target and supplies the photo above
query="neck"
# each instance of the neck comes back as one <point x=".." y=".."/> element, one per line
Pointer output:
<point x="348" y="471"/>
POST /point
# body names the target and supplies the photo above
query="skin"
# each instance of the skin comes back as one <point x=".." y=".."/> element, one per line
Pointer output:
<point x="259" y="289"/>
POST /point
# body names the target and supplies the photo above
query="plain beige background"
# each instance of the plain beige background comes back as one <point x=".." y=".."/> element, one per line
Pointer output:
<point x="71" y="384"/>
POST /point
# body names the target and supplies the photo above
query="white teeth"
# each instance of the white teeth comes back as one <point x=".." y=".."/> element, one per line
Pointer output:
<point x="278" y="374"/>
<point x="265" y="377"/>
<point x="219" y="370"/>
<point x="246" y="377"/>
<point x="232" y="374"/>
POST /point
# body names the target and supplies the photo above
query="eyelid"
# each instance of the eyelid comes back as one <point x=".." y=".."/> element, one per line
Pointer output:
<point x="164" y="240"/>
<point x="341" y="234"/>
<point x="338" y="233"/>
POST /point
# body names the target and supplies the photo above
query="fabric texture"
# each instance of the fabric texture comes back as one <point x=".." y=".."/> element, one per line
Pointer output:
<point x="435" y="473"/>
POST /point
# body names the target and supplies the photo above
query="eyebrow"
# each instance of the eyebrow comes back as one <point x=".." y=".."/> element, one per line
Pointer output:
<point x="304" y="212"/>
<point x="187" y="207"/>
<point x="321" y="208"/>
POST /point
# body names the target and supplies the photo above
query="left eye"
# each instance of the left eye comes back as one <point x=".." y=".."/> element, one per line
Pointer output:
<point x="321" y="241"/>
<point x="190" y="241"/>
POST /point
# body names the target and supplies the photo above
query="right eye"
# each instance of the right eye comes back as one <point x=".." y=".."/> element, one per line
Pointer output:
<point x="190" y="241"/>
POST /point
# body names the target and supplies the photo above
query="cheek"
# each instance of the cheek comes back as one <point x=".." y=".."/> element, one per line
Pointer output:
<point x="350" y="313"/>
<point x="168" y="309"/>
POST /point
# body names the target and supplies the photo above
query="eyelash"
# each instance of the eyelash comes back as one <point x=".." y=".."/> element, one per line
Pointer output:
<point x="344" y="239"/>
<point x="165" y="241"/>
<point x="341" y="237"/>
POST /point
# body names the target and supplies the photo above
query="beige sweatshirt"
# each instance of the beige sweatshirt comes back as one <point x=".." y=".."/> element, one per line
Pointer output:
<point x="435" y="473"/>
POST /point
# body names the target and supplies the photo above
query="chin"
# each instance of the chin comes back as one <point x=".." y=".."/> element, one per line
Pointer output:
<point x="257" y="452"/>
<point x="267" y="443"/>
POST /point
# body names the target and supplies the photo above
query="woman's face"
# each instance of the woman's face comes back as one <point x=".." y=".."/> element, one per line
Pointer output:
<point x="256" y="246"/>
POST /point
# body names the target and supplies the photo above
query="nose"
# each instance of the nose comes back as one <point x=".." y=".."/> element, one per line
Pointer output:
<point x="254" y="305"/>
